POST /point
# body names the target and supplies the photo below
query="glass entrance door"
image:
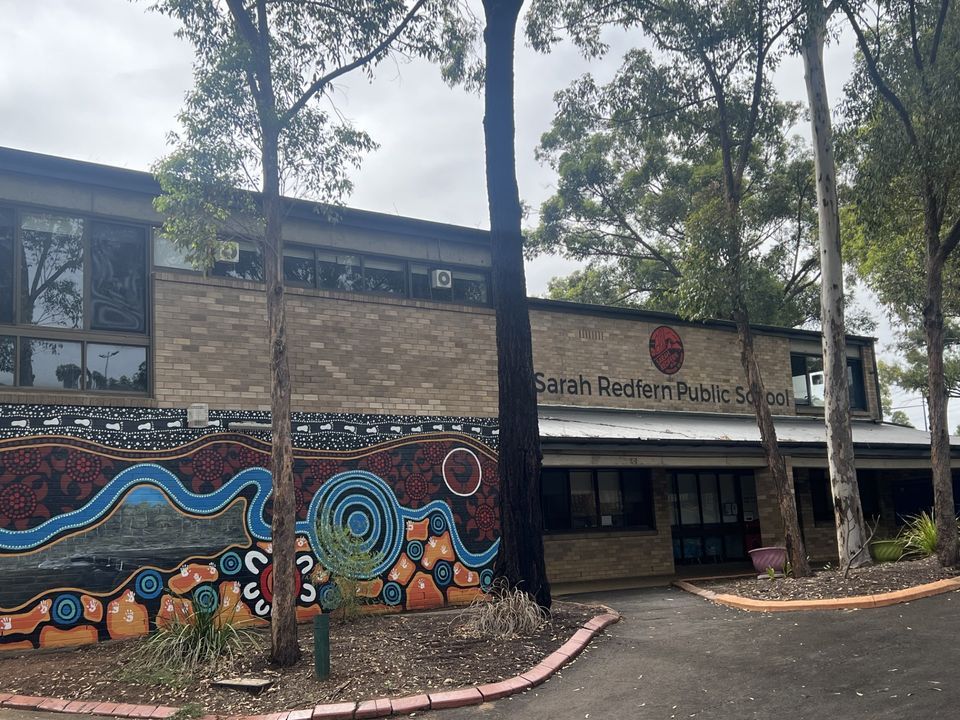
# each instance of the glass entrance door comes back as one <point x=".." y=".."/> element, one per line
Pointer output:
<point x="713" y="516"/>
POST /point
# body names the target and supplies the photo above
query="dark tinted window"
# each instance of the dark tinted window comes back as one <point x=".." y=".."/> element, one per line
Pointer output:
<point x="299" y="267"/>
<point x="249" y="265"/>
<point x="556" y="500"/>
<point x="637" y="499"/>
<point x="470" y="288"/>
<point x="7" y="349"/>
<point x="821" y="496"/>
<point x="858" y="395"/>
<point x="339" y="272"/>
<point x="6" y="265"/>
<point x="116" y="367"/>
<point x="384" y="276"/>
<point x="118" y="278"/>
<point x="50" y="364"/>
<point x="52" y="250"/>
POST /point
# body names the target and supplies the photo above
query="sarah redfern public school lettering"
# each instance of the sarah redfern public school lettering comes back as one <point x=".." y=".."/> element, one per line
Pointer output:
<point x="667" y="356"/>
<point x="603" y="386"/>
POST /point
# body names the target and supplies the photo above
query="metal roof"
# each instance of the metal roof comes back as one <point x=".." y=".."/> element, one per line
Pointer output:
<point x="605" y="425"/>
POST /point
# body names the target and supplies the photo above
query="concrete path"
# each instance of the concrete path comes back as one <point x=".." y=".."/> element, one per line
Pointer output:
<point x="675" y="655"/>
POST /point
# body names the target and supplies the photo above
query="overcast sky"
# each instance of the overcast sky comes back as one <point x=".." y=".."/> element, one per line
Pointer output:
<point x="102" y="80"/>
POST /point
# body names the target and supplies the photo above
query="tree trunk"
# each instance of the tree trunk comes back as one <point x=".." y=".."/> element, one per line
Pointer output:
<point x="848" y="513"/>
<point x="943" y="503"/>
<point x="786" y="497"/>
<point x="520" y="560"/>
<point x="285" y="649"/>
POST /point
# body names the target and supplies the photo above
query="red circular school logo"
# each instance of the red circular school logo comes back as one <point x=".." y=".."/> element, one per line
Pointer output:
<point x="666" y="350"/>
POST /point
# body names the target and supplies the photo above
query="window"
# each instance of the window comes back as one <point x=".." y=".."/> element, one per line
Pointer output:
<point x="73" y="303"/>
<point x="578" y="499"/>
<point x="344" y="271"/>
<point x="249" y="266"/>
<point x="821" y="495"/>
<point x="809" y="381"/>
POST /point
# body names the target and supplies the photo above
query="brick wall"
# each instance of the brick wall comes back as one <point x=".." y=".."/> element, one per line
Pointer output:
<point x="574" y="557"/>
<point x="380" y="355"/>
<point x="568" y="345"/>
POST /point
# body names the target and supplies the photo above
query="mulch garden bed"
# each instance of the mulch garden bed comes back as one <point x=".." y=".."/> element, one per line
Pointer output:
<point x="823" y="584"/>
<point x="374" y="656"/>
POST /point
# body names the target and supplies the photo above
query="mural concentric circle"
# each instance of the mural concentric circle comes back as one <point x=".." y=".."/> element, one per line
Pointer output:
<point x="437" y="523"/>
<point x="149" y="584"/>
<point x="206" y="598"/>
<point x="67" y="609"/>
<point x="231" y="563"/>
<point x="443" y="573"/>
<point x="392" y="594"/>
<point x="486" y="579"/>
<point x="415" y="550"/>
<point x="367" y="506"/>
<point x="17" y="501"/>
<point x="330" y="596"/>
<point x="462" y="471"/>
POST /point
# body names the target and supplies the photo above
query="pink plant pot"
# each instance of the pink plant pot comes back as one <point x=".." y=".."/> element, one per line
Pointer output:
<point x="769" y="557"/>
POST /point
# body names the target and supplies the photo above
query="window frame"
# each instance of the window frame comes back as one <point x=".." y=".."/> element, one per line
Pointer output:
<point x="646" y="478"/>
<point x="850" y="361"/>
<point x="19" y="330"/>
<point x="407" y="269"/>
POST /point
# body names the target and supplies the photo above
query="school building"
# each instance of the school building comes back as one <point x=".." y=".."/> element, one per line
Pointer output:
<point x="115" y="505"/>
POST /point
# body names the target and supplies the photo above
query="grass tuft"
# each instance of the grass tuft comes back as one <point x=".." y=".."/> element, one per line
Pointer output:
<point x="504" y="613"/>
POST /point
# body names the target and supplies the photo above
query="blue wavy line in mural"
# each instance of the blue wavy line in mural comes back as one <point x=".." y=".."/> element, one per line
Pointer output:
<point x="168" y="483"/>
<point x="340" y="498"/>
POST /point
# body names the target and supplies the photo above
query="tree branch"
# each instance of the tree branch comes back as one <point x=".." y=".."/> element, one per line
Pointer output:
<point x="873" y="70"/>
<point x="938" y="32"/>
<point x="322" y="82"/>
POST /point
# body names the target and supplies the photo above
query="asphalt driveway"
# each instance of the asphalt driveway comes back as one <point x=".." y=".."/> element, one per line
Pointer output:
<point x="675" y="655"/>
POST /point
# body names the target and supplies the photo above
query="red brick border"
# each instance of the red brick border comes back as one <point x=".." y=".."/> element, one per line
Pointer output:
<point x="376" y="708"/>
<point x="858" y="602"/>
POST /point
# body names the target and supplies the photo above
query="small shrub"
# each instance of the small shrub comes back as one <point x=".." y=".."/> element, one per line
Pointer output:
<point x="355" y="565"/>
<point x="193" y="639"/>
<point x="505" y="613"/>
<point x="920" y="535"/>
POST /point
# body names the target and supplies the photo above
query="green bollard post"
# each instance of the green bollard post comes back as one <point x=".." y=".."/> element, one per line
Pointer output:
<point x="321" y="645"/>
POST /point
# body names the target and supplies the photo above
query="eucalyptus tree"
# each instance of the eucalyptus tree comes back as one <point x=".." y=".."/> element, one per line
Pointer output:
<point x="623" y="197"/>
<point x="848" y="512"/>
<point x="258" y="123"/>
<point x="520" y="560"/>
<point x="903" y="114"/>
<point x="707" y="94"/>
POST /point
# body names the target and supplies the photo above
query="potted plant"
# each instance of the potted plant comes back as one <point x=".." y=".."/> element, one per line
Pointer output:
<point x="774" y="557"/>
<point x="889" y="550"/>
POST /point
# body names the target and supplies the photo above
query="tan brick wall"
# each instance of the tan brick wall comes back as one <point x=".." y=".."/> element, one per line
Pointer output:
<point x="574" y="557"/>
<point x="572" y="346"/>
<point x="347" y="355"/>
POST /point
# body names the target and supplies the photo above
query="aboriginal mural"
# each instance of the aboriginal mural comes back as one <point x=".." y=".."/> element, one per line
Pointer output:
<point x="109" y="525"/>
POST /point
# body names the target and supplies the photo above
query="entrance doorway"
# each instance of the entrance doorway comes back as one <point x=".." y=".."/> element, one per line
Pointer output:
<point x="713" y="515"/>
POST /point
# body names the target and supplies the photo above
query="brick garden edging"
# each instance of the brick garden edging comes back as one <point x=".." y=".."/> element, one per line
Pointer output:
<point x="380" y="707"/>
<point x="857" y="602"/>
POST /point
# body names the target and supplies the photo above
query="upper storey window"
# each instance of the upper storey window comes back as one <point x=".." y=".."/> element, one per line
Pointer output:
<point x="73" y="302"/>
<point x="347" y="271"/>
<point x="809" y="381"/>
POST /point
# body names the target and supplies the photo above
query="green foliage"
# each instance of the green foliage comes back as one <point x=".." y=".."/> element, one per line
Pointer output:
<point x="217" y="155"/>
<point x="920" y="535"/>
<point x="645" y="165"/>
<point x="896" y="166"/>
<point x="194" y="639"/>
<point x="504" y="613"/>
<point x="911" y="374"/>
<point x="354" y="563"/>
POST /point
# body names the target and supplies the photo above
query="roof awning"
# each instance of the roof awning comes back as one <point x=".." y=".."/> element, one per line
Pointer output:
<point x="597" y="425"/>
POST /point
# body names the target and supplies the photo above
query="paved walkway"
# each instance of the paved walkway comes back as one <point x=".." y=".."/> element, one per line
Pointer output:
<point x="675" y="655"/>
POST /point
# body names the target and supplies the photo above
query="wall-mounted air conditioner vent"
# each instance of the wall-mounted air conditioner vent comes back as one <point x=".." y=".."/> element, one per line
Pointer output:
<point x="228" y="252"/>
<point x="441" y="279"/>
